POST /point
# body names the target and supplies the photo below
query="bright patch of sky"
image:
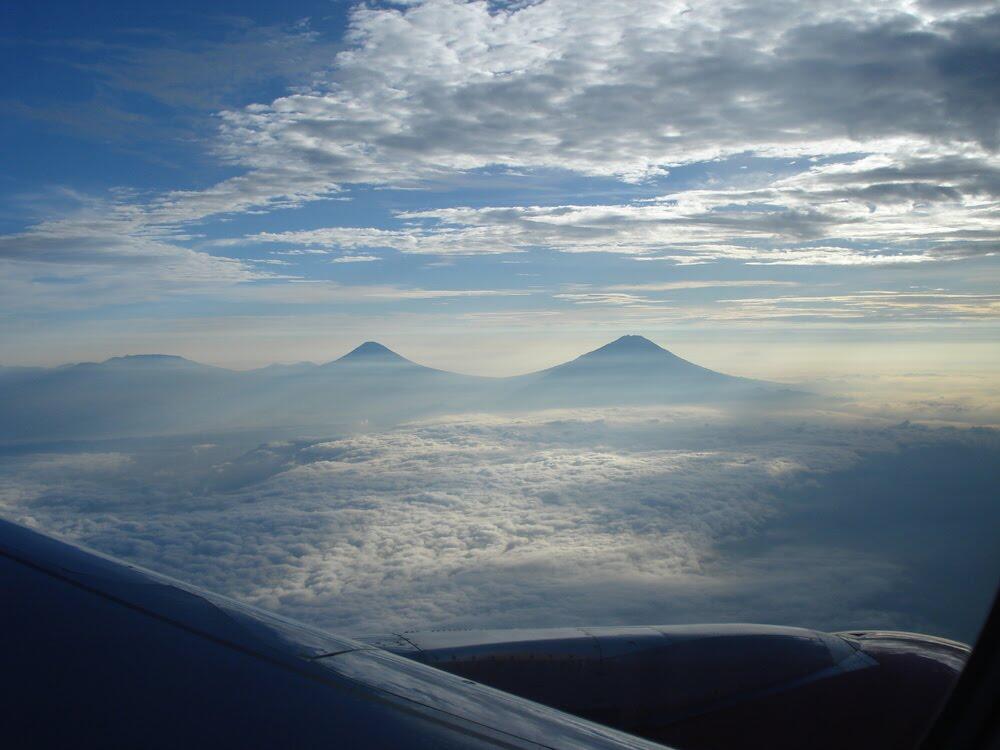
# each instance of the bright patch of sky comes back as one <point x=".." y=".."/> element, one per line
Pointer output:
<point x="277" y="182"/>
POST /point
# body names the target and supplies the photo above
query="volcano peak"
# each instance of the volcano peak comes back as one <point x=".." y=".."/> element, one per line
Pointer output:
<point x="630" y="345"/>
<point x="372" y="351"/>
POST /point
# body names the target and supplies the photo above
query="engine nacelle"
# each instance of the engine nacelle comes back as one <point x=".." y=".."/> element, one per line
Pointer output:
<point x="713" y="686"/>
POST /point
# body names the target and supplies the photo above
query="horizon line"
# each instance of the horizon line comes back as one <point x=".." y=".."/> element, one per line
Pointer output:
<point x="327" y="362"/>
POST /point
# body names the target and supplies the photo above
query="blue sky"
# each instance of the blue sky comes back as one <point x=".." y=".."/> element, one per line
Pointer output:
<point x="773" y="188"/>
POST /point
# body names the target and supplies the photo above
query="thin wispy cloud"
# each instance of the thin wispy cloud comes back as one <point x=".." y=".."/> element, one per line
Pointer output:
<point x="356" y="259"/>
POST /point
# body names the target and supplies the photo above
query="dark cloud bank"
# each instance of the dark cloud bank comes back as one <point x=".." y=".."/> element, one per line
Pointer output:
<point x="776" y="509"/>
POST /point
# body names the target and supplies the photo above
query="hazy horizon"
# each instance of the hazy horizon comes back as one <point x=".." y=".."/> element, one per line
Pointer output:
<point x="951" y="365"/>
<point x="958" y="392"/>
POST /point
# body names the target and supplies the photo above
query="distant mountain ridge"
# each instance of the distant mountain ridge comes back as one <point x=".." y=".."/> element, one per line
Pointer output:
<point x="371" y="385"/>
<point x="625" y="347"/>
<point x="148" y="361"/>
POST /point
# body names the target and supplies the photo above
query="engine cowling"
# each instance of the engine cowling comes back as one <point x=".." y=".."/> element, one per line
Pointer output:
<point x="713" y="686"/>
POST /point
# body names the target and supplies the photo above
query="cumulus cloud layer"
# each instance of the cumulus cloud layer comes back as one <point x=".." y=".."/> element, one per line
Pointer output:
<point x="891" y="106"/>
<point x="899" y="96"/>
<point x="627" y="89"/>
<point x="612" y="516"/>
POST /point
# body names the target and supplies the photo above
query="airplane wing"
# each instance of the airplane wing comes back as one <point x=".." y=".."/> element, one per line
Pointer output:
<point x="105" y="654"/>
<point x="97" y="652"/>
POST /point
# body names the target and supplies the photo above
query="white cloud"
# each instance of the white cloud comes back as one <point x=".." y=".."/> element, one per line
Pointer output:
<point x="553" y="518"/>
<point x="621" y="89"/>
<point x="669" y="286"/>
<point x="447" y="86"/>
<point x="871" y="304"/>
<point x="866" y="305"/>
<point x="414" y="239"/>
<point x="602" y="298"/>
<point x="86" y="463"/>
<point x="871" y="211"/>
<point x="420" y="94"/>
<point x="308" y="292"/>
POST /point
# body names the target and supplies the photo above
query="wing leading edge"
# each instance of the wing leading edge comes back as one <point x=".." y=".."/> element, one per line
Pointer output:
<point x="100" y="653"/>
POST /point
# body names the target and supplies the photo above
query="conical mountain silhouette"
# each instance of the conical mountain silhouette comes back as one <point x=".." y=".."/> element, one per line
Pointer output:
<point x="628" y="345"/>
<point x="159" y="394"/>
<point x="634" y="357"/>
<point x="373" y="352"/>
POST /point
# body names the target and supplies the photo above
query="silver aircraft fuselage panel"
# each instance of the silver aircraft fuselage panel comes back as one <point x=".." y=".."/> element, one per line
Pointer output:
<point x="100" y="653"/>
